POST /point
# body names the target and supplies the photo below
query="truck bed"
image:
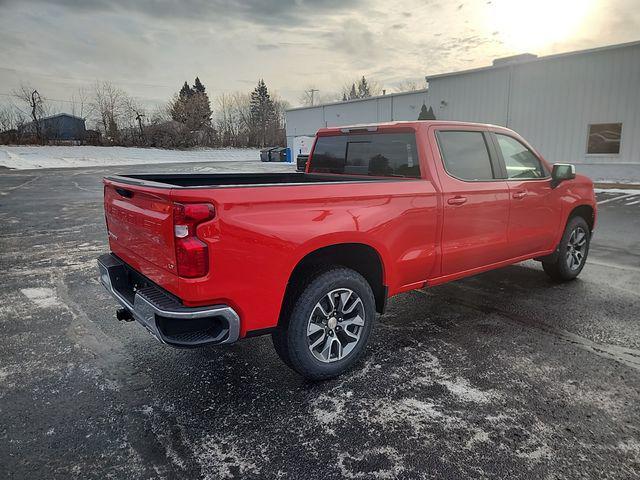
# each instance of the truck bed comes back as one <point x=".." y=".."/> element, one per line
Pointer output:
<point x="208" y="180"/>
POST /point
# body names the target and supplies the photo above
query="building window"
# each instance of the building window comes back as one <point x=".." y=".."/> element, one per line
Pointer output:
<point x="604" y="138"/>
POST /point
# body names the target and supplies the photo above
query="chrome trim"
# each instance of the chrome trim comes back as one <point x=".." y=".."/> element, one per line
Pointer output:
<point x="144" y="311"/>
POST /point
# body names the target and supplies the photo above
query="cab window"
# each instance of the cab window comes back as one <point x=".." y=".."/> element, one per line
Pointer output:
<point x="465" y="155"/>
<point x="521" y="162"/>
<point x="380" y="154"/>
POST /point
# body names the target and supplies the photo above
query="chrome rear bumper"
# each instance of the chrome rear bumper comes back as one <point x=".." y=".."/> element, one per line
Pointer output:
<point x="162" y="314"/>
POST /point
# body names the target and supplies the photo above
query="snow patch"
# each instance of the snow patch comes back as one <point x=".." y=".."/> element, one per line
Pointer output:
<point x="33" y="157"/>
<point x="627" y="191"/>
<point x="387" y="460"/>
<point x="41" y="296"/>
<point x="461" y="388"/>
<point x="220" y="459"/>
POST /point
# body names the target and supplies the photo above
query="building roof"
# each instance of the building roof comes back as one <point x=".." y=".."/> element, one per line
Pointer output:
<point x="530" y="58"/>
<point x="58" y="115"/>
<point x="344" y="102"/>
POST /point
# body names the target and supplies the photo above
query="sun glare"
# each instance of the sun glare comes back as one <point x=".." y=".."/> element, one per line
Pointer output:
<point x="534" y="24"/>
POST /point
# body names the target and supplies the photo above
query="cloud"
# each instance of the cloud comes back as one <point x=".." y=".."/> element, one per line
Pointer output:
<point x="150" y="47"/>
<point x="264" y="11"/>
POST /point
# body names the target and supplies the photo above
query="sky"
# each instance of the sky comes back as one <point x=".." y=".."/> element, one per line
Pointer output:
<point x="150" y="47"/>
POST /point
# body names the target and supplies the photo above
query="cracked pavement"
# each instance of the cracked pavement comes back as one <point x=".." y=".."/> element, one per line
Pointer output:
<point x="502" y="375"/>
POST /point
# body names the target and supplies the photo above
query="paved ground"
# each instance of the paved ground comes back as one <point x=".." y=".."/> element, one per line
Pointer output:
<point x="504" y="375"/>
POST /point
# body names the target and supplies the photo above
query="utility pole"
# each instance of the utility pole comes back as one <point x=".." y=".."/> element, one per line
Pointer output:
<point x="311" y="91"/>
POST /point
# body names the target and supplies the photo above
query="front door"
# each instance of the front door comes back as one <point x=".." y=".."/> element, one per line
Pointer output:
<point x="476" y="201"/>
<point x="535" y="213"/>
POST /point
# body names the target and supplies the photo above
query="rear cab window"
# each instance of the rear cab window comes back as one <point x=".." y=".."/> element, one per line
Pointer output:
<point x="379" y="154"/>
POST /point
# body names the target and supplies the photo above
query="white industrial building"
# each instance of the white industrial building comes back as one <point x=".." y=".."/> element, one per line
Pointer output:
<point x="580" y="107"/>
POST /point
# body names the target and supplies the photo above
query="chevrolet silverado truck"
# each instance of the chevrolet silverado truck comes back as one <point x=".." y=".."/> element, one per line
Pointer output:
<point x="309" y="258"/>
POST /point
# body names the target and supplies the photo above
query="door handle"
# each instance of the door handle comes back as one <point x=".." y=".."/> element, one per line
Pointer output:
<point x="457" y="200"/>
<point x="520" y="194"/>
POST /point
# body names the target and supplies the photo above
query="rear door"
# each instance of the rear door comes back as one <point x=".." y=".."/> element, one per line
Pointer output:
<point x="140" y="227"/>
<point x="475" y="199"/>
<point x="535" y="212"/>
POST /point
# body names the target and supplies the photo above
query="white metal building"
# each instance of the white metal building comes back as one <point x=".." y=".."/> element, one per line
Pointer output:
<point x="581" y="107"/>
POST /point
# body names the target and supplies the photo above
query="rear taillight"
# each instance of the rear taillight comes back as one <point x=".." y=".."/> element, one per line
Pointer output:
<point x="192" y="254"/>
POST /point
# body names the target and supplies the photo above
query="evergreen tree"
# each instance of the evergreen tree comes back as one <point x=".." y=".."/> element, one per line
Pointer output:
<point x="198" y="87"/>
<point x="426" y="114"/>
<point x="192" y="106"/>
<point x="363" y="88"/>
<point x="263" y="114"/>
<point x="185" y="91"/>
<point x="423" y="112"/>
<point x="353" y="94"/>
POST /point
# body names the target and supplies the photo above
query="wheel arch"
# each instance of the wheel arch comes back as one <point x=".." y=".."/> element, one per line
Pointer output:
<point x="361" y="257"/>
<point x="585" y="211"/>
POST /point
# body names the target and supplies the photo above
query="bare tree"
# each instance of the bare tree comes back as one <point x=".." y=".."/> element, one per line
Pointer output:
<point x="227" y="120"/>
<point x="29" y="95"/>
<point x="133" y="114"/>
<point x="409" y="86"/>
<point x="109" y="107"/>
<point x="11" y="118"/>
<point x="80" y="102"/>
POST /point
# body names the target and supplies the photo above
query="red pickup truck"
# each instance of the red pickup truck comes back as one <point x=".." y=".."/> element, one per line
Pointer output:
<point x="309" y="258"/>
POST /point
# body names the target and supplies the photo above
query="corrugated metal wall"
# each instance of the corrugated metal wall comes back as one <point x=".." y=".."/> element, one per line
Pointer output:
<point x="403" y="106"/>
<point x="552" y="101"/>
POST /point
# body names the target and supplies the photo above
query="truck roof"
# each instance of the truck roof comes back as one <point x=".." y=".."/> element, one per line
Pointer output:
<point x="400" y="124"/>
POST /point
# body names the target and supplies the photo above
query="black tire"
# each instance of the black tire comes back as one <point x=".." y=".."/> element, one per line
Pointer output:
<point x="291" y="340"/>
<point x="557" y="265"/>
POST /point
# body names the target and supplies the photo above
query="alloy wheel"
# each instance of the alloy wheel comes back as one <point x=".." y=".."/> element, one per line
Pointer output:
<point x="576" y="248"/>
<point x="335" y="325"/>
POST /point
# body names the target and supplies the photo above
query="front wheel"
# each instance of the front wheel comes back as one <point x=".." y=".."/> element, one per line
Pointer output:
<point x="329" y="325"/>
<point x="568" y="261"/>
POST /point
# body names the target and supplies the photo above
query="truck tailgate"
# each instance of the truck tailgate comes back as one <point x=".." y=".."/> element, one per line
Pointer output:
<point x="140" y="224"/>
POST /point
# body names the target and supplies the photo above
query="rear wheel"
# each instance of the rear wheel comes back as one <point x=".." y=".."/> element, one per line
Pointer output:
<point x="568" y="261"/>
<point x="329" y="325"/>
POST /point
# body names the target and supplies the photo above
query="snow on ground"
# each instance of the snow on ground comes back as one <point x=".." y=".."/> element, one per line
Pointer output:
<point x="29" y="157"/>
<point x="611" y="173"/>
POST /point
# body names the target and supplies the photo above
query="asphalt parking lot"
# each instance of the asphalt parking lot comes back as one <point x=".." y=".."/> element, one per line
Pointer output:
<point x="503" y="375"/>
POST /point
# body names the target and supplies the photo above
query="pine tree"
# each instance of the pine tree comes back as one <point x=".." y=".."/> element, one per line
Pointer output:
<point x="185" y="91"/>
<point x="263" y="114"/>
<point x="363" y="88"/>
<point x="192" y="106"/>
<point x="426" y="114"/>
<point x="198" y="87"/>
<point x="423" y="113"/>
<point x="430" y="114"/>
<point x="353" y="94"/>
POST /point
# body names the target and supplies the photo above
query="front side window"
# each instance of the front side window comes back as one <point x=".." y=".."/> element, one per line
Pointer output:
<point x="604" y="138"/>
<point x="465" y="155"/>
<point x="380" y="154"/>
<point x="521" y="162"/>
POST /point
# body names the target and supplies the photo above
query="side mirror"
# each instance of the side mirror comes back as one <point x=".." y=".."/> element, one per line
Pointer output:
<point x="562" y="172"/>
